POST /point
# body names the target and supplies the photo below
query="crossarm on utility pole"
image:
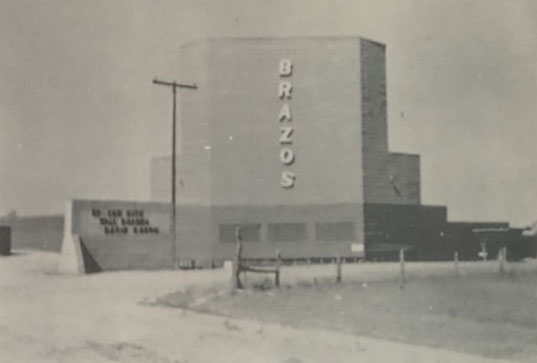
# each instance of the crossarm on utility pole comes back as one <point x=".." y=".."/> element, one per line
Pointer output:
<point x="175" y="84"/>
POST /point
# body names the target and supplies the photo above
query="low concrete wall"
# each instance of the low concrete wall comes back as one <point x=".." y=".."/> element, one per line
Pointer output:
<point x="119" y="235"/>
<point x="116" y="235"/>
<point x="42" y="233"/>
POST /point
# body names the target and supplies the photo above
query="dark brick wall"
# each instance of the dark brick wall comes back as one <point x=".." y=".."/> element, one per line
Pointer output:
<point x="462" y="238"/>
<point x="391" y="178"/>
<point x="374" y="104"/>
<point x="5" y="240"/>
<point x="420" y="229"/>
<point x="519" y="246"/>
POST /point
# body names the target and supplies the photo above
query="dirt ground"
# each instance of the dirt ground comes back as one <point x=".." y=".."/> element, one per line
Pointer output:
<point x="114" y="317"/>
<point x="482" y="312"/>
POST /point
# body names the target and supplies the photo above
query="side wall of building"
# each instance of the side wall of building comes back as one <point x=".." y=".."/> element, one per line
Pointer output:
<point x="120" y="235"/>
<point x="421" y="230"/>
<point x="463" y="238"/>
<point x="244" y="108"/>
<point x="231" y="130"/>
<point x="297" y="232"/>
<point x="389" y="178"/>
<point x="35" y="232"/>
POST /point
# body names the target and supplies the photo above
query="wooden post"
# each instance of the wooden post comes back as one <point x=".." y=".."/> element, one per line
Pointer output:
<point x="174" y="85"/>
<point x="456" y="259"/>
<point x="502" y="259"/>
<point x="402" y="262"/>
<point x="338" y="268"/>
<point x="278" y="265"/>
<point x="235" y="277"/>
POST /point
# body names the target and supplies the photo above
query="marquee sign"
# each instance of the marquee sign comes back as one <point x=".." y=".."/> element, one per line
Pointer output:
<point x="287" y="155"/>
<point x="117" y="220"/>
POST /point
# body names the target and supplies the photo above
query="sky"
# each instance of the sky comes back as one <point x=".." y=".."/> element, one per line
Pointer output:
<point x="80" y="118"/>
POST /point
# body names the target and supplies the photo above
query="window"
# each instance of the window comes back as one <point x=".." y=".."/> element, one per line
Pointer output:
<point x="249" y="232"/>
<point x="335" y="231"/>
<point x="287" y="232"/>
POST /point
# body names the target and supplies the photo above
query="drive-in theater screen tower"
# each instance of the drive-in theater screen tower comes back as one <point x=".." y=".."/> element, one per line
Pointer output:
<point x="287" y="138"/>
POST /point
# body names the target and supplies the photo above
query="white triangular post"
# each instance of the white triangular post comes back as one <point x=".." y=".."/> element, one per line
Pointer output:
<point x="71" y="258"/>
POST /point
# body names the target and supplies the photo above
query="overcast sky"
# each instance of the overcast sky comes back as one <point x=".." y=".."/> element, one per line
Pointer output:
<point x="79" y="116"/>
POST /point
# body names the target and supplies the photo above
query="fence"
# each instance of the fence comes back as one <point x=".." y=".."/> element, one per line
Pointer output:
<point x="278" y="264"/>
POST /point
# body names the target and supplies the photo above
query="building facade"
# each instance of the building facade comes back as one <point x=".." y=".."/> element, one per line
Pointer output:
<point x="284" y="146"/>
<point x="286" y="138"/>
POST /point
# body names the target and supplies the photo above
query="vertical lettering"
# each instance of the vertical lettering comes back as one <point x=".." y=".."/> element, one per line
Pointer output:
<point x="287" y="156"/>
<point x="285" y="113"/>
<point x="286" y="67"/>
<point x="284" y="90"/>
<point x="288" y="179"/>
<point x="285" y="134"/>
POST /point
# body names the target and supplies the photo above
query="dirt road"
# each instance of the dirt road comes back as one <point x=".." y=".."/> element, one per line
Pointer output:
<point x="45" y="317"/>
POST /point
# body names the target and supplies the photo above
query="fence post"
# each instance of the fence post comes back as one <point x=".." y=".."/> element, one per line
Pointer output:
<point x="338" y="268"/>
<point x="502" y="259"/>
<point x="402" y="262"/>
<point x="278" y="265"/>
<point x="456" y="259"/>
<point x="236" y="271"/>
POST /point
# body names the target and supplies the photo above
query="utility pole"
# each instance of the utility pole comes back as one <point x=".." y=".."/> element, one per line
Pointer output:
<point x="174" y="85"/>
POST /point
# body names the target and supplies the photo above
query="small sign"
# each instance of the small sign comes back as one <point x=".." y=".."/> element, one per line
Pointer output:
<point x="357" y="247"/>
